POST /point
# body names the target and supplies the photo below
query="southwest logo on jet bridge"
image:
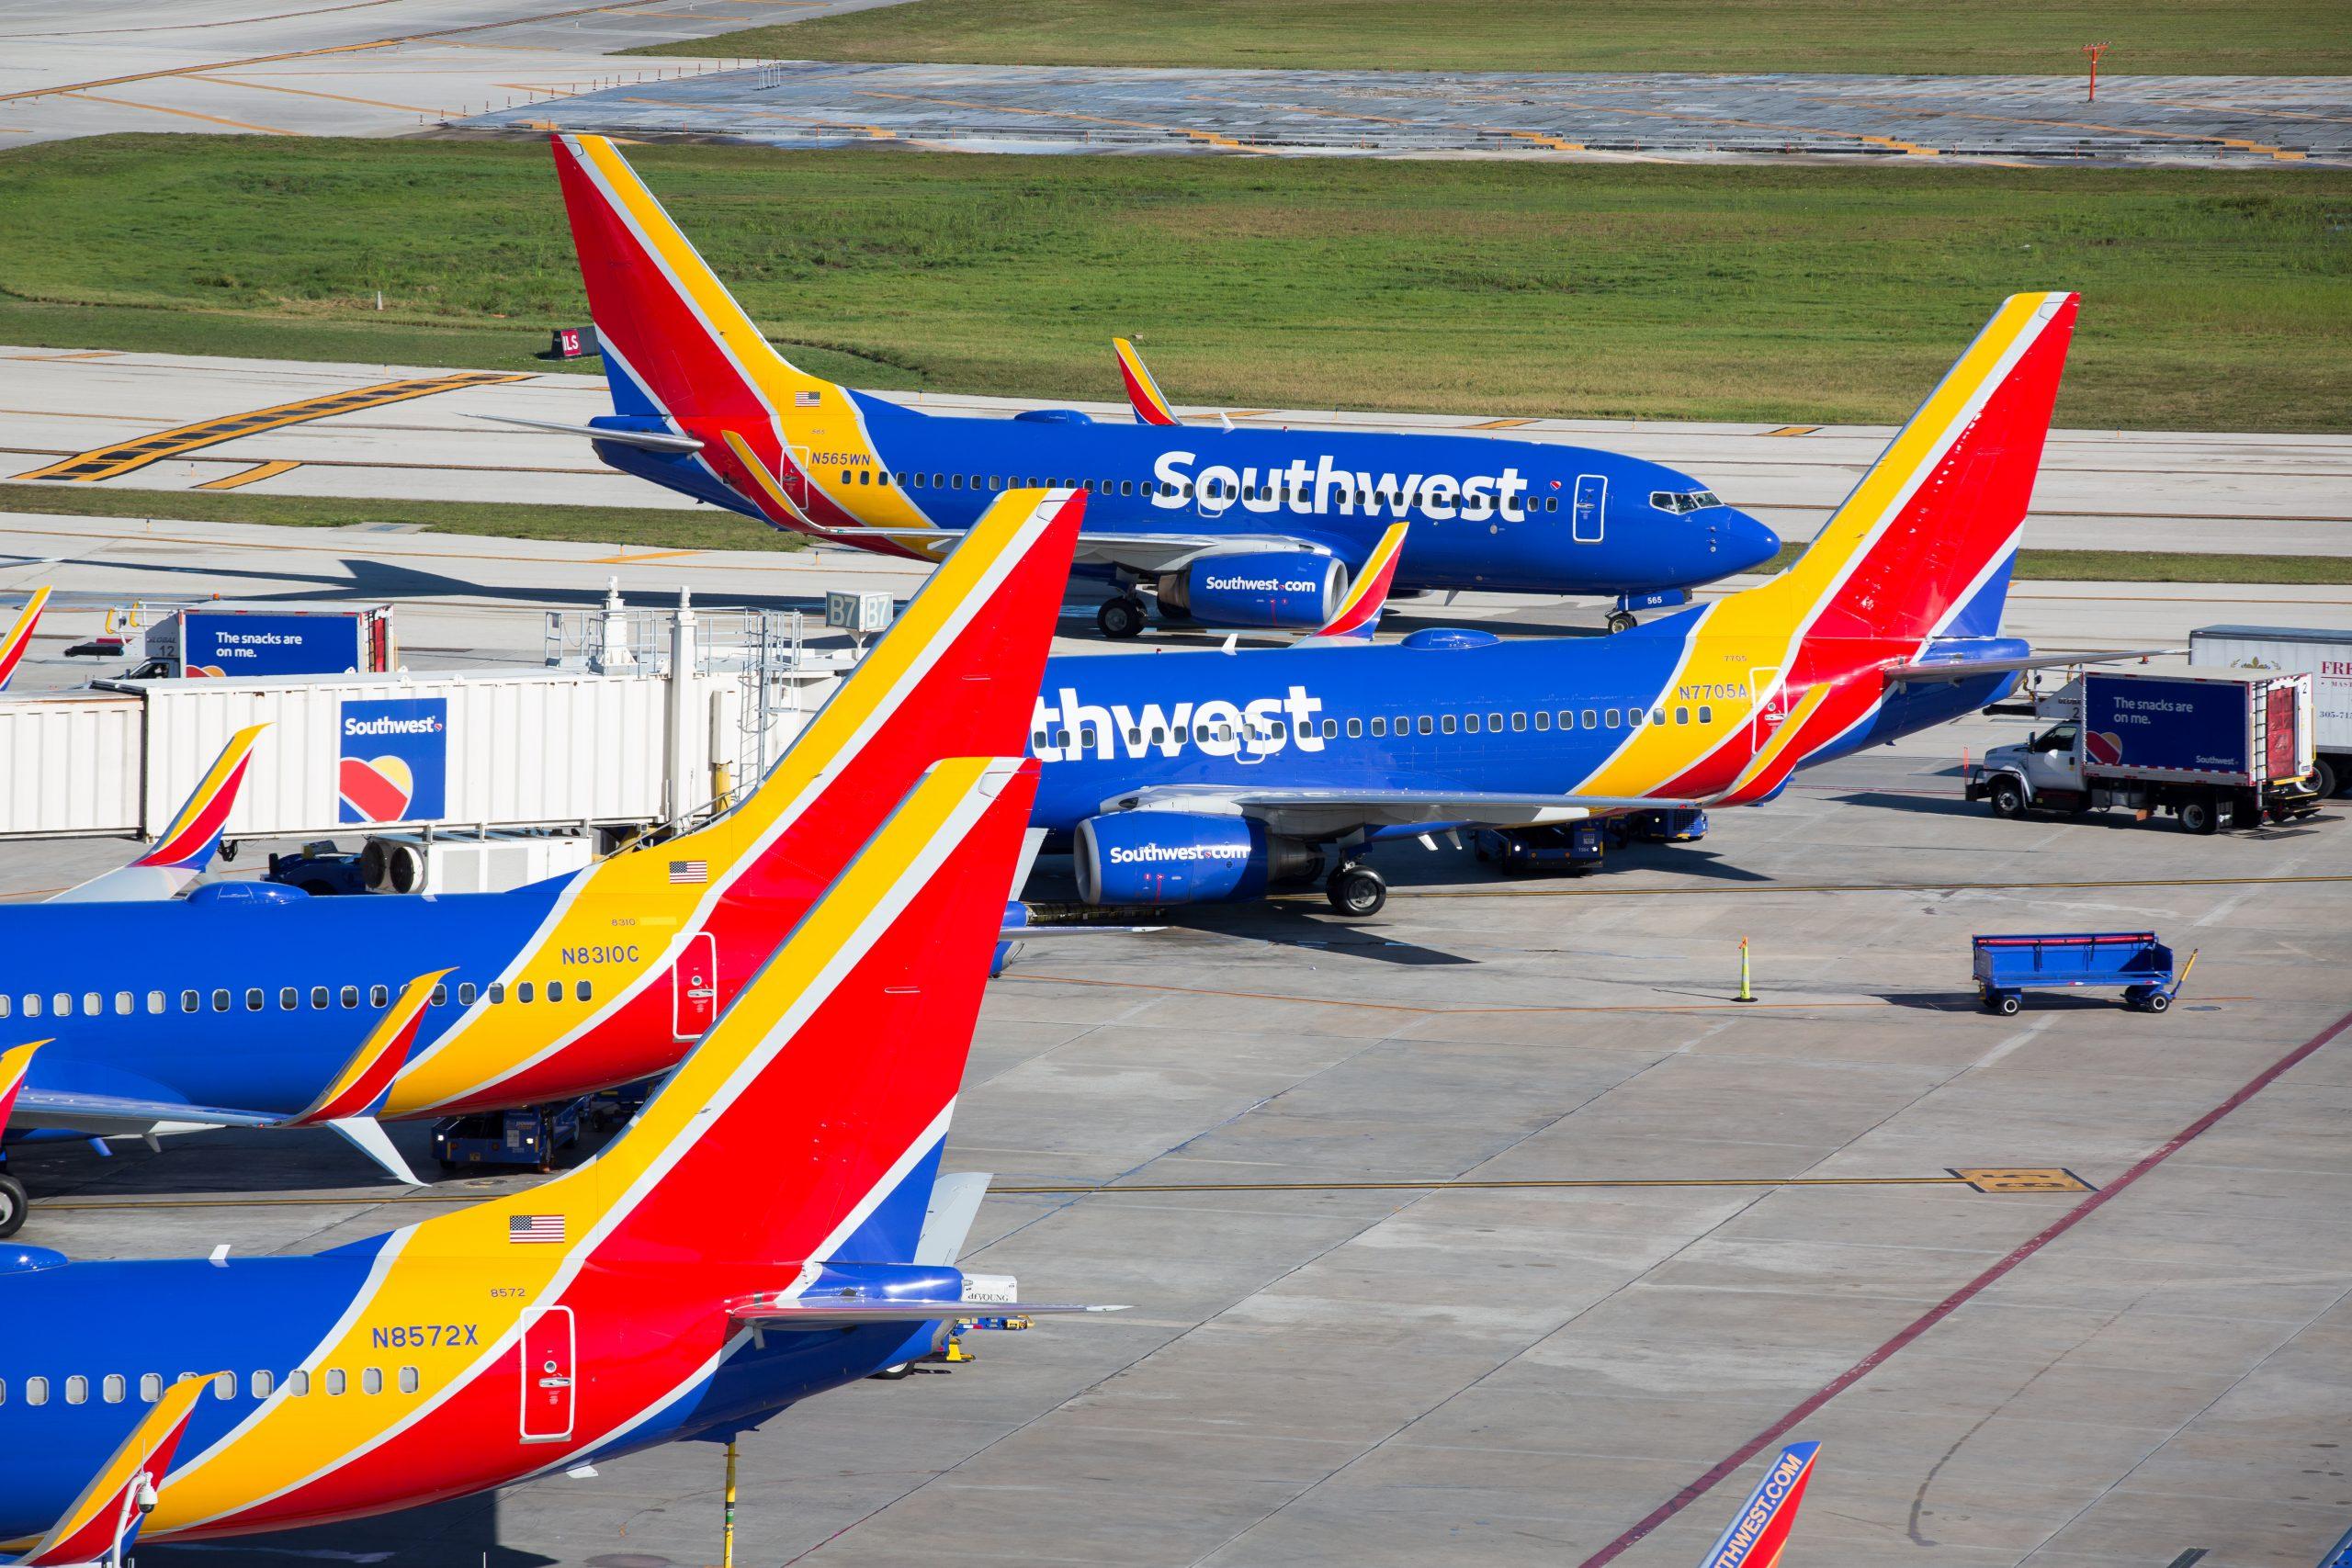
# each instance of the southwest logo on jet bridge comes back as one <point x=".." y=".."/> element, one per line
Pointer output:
<point x="394" y="762"/>
<point x="1068" y="731"/>
<point x="1320" y="489"/>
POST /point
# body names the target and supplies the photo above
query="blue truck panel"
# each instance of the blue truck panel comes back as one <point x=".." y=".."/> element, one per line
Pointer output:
<point x="235" y="643"/>
<point x="2138" y="722"/>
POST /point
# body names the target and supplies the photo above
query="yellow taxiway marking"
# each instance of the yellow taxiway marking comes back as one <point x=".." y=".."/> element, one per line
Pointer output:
<point x="1208" y="136"/>
<point x="184" y="114"/>
<point x="625" y="558"/>
<point x="243" y="476"/>
<point x="1500" y="425"/>
<point x="79" y="353"/>
<point x="1793" y="430"/>
<point x="123" y="456"/>
<point x="314" y="93"/>
<point x="2030" y="1179"/>
<point x="2282" y="153"/>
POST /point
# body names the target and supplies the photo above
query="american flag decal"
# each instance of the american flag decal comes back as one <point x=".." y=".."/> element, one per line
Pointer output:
<point x="689" y="871"/>
<point x="521" y="1228"/>
<point x="804" y="400"/>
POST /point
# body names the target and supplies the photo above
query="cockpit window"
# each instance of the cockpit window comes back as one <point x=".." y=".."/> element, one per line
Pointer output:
<point x="1680" y="501"/>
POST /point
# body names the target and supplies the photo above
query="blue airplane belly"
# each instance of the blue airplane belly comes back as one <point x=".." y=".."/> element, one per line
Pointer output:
<point x="272" y="1059"/>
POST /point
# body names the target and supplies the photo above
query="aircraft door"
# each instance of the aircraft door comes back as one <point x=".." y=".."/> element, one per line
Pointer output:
<point x="1770" y="705"/>
<point x="548" y="1363"/>
<point x="694" y="988"/>
<point x="1591" y="505"/>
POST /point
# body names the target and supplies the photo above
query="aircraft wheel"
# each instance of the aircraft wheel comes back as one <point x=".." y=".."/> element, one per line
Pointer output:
<point x="1120" y="618"/>
<point x="892" y="1374"/>
<point x="1621" y="621"/>
<point x="1356" y="890"/>
<point x="14" y="1206"/>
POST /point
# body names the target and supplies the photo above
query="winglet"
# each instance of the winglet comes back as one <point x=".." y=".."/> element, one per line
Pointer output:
<point x="21" y="635"/>
<point x="363" y="1080"/>
<point x="105" y="1519"/>
<point x="1760" y="1529"/>
<point x="1143" y="392"/>
<point x="14" y="1064"/>
<point x="1359" y="613"/>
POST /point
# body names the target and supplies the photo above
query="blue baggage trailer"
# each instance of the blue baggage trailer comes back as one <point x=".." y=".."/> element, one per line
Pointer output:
<point x="2135" y="962"/>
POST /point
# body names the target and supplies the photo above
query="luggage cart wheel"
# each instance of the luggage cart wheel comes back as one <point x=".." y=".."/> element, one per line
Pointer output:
<point x="14" y="1205"/>
<point x="2006" y="1003"/>
<point x="2158" y="1001"/>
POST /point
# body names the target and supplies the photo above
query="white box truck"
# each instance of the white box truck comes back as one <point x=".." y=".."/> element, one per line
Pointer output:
<point x="2324" y="656"/>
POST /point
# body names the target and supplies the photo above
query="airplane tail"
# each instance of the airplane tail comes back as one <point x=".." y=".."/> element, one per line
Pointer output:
<point x="183" y="850"/>
<point x="1760" y="1531"/>
<point x="20" y="637"/>
<point x="1143" y="392"/>
<point x="1924" y="545"/>
<point x="806" y="1125"/>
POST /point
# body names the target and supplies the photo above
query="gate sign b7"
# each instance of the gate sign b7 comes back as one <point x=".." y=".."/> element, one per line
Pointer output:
<point x="394" y="761"/>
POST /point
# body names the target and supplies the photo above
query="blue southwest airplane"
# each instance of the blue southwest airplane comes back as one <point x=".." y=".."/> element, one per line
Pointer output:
<point x="253" y="1005"/>
<point x="1185" y="776"/>
<point x="757" y="1235"/>
<point x="1256" y="527"/>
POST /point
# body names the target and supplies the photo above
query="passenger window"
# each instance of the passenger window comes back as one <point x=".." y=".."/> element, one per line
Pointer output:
<point x="1355" y="729"/>
<point x="938" y="482"/>
<point x="252" y="998"/>
<point x="77" y="1389"/>
<point x="1446" y="723"/>
<point x="335" y="1380"/>
<point x="189" y="1002"/>
<point x="93" y="1004"/>
<point x="32" y="1004"/>
<point x="1469" y="723"/>
<point x="298" y="1384"/>
<point x="219" y="1001"/>
<point x="441" y="995"/>
<point x="1037" y="741"/>
<point x="1380" y="726"/>
<point x="114" y="1388"/>
<point x="1682" y="716"/>
<point x="1634" y="717"/>
<point x="408" y="1380"/>
<point x="955" y="481"/>
<point x="124" y="1006"/>
<point x="1424" y="727"/>
<point x="1706" y="715"/>
<point x="150" y="1387"/>
<point x="290" y="998"/>
<point x="1658" y="715"/>
<point x="349" y="996"/>
<point x="523" y="992"/>
<point x="224" y="1386"/>
<point x="36" y="1390"/>
<point x="62" y="1004"/>
<point x="466" y="994"/>
<point x="1085" y="738"/>
<point x="1061" y="738"/>
<point x="555" y="990"/>
<point x="995" y="482"/>
<point x="379" y="996"/>
<point x="319" y="996"/>
<point x="581" y="990"/>
<point x="1494" y="721"/>
<point x="497" y="992"/>
<point x="372" y="1380"/>
<point x="7" y="1006"/>
<point x="1519" y="721"/>
<point x="1592" y="720"/>
<point x="154" y="1001"/>
<point x="258" y="1385"/>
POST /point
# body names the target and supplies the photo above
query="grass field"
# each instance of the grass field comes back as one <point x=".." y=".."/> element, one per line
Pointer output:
<point x="2211" y="300"/>
<point x="710" y="529"/>
<point x="704" y="528"/>
<point x="2150" y="37"/>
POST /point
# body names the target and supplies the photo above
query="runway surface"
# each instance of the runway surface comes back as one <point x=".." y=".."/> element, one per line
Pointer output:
<point x="354" y="68"/>
<point x="144" y="421"/>
<point x="1482" y="1232"/>
<point x="2264" y="121"/>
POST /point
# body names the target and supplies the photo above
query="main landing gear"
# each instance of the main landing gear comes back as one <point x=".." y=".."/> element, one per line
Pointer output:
<point x="1120" y="618"/>
<point x="1356" y="889"/>
<point x="1621" y="621"/>
<point x="13" y="1205"/>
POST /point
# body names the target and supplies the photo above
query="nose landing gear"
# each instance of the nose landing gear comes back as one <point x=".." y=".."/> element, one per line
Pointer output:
<point x="1621" y="621"/>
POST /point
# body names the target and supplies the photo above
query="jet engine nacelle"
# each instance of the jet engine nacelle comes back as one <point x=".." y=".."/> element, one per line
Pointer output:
<point x="1181" y="857"/>
<point x="1285" y="589"/>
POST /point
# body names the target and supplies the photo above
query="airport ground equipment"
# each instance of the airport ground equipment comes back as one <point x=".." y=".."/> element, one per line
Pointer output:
<point x="2216" y="749"/>
<point x="2324" y="656"/>
<point x="527" y="1138"/>
<point x="633" y="719"/>
<point x="226" y="638"/>
<point x="2135" y="962"/>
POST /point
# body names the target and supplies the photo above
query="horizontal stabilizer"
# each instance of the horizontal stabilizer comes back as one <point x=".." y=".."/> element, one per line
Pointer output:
<point x="766" y="1312"/>
<point x="650" y="440"/>
<point x="1967" y="669"/>
<point x="367" y="1136"/>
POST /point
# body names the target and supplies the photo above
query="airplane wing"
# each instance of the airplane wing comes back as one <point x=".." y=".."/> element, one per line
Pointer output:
<point x="19" y="637"/>
<point x="1149" y="554"/>
<point x="1933" y="670"/>
<point x="1327" y="813"/>
<point x="766" y="1312"/>
<point x="650" y="440"/>
<point x="103" y="1519"/>
<point x="117" y="1115"/>
<point x="183" y="851"/>
<point x="1760" y="1531"/>
<point x="1143" y="392"/>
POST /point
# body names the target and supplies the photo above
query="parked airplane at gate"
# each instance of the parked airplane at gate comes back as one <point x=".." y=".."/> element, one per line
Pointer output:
<point x="254" y="1005"/>
<point x="759" y="1233"/>
<point x="183" y="850"/>
<point x="1258" y="527"/>
<point x="1179" y="777"/>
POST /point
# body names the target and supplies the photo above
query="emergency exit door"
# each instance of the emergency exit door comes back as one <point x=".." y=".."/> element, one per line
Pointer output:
<point x="547" y="1349"/>
<point x="694" y="988"/>
<point x="1591" y="508"/>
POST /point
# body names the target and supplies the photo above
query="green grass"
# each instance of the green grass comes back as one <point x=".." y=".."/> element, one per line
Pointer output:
<point x="2212" y="300"/>
<point x="2150" y="37"/>
<point x="704" y="528"/>
<point x="711" y="529"/>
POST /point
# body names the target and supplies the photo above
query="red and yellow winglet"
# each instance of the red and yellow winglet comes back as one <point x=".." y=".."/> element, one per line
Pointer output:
<point x="1359" y="613"/>
<point x="194" y="833"/>
<point x="21" y="635"/>
<point x="14" y="1064"/>
<point x="363" y="1080"/>
<point x="106" y="1515"/>
<point x="1760" y="1531"/>
<point x="1143" y="392"/>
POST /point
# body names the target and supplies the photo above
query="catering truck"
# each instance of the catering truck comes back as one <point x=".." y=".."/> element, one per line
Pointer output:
<point x="2324" y="656"/>
<point x="2215" y="749"/>
<point x="225" y="640"/>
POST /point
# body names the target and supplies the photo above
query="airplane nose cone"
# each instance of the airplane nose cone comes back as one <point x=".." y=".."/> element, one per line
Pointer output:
<point x="1742" y="544"/>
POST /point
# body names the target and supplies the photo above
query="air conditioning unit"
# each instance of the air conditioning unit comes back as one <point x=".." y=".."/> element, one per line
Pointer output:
<point x="470" y="862"/>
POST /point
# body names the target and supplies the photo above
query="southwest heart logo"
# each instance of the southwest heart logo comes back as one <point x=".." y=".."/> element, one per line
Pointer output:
<point x="2104" y="746"/>
<point x="379" y="788"/>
